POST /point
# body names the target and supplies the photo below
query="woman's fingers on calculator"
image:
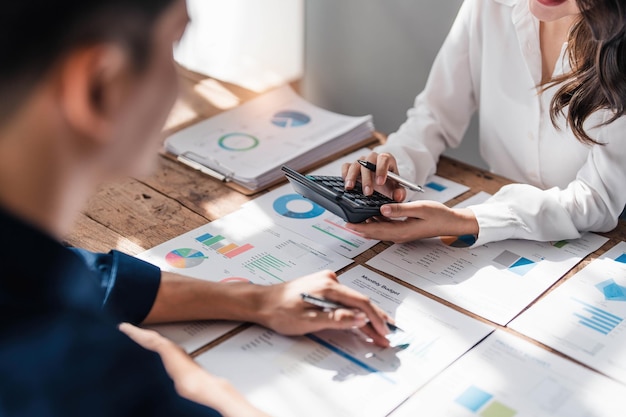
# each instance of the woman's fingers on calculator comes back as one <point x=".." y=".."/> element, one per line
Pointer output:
<point x="373" y="180"/>
<point x="384" y="163"/>
<point x="353" y="172"/>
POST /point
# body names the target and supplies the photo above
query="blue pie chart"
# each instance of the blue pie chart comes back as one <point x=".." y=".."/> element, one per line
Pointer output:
<point x="295" y="206"/>
<point x="290" y="118"/>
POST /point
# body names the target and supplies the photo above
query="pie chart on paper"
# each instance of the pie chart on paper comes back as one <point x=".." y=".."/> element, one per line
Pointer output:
<point x="295" y="206"/>
<point x="184" y="258"/>
<point x="290" y="118"/>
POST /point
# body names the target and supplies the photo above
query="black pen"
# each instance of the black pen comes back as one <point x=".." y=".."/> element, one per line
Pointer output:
<point x="331" y="305"/>
<point x="403" y="182"/>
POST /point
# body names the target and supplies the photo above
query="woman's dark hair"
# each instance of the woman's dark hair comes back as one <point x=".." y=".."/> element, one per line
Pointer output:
<point x="35" y="34"/>
<point x="597" y="54"/>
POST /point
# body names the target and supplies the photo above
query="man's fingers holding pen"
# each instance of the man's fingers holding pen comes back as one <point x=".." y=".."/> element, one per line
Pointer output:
<point x="351" y="298"/>
<point x="341" y="318"/>
<point x="282" y="309"/>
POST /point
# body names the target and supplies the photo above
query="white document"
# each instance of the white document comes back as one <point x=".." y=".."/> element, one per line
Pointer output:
<point x="439" y="189"/>
<point x="338" y="373"/>
<point x="505" y="376"/>
<point x="292" y="211"/>
<point x="285" y="207"/>
<point x="193" y="335"/>
<point x="250" y="143"/>
<point x="236" y="248"/>
<point x="496" y="280"/>
<point x="584" y="317"/>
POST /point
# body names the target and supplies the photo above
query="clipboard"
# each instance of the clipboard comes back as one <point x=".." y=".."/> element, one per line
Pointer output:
<point x="377" y="138"/>
<point x="245" y="147"/>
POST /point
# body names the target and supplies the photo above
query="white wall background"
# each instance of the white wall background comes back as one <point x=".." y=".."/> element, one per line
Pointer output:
<point x="257" y="44"/>
<point x="373" y="57"/>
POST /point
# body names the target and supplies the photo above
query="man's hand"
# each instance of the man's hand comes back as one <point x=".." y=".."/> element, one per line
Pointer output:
<point x="282" y="308"/>
<point x="191" y="381"/>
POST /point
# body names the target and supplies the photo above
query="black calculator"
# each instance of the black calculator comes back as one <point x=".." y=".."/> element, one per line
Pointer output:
<point x="329" y="192"/>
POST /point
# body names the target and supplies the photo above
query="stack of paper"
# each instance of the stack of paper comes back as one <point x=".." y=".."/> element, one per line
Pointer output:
<point x="249" y="144"/>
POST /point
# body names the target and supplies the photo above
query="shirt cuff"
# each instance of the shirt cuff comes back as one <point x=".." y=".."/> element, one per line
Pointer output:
<point x="130" y="285"/>
<point x="495" y="222"/>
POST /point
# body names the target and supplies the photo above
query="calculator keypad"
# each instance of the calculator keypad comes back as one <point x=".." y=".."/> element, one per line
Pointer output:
<point x="356" y="195"/>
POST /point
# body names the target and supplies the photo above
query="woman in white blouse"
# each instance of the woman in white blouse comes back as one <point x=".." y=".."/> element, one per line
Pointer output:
<point x="548" y="80"/>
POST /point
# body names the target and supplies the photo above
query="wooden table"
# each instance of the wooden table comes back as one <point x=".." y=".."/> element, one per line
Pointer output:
<point x="133" y="215"/>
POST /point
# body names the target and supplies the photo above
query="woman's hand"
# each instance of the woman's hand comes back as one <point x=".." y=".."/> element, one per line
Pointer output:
<point x="191" y="381"/>
<point x="282" y="308"/>
<point x="371" y="181"/>
<point x="422" y="219"/>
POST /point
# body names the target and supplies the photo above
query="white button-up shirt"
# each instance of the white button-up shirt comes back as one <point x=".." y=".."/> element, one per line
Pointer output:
<point x="491" y="63"/>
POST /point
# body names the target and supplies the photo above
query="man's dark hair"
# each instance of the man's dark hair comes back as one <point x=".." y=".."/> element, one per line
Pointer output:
<point x="35" y="34"/>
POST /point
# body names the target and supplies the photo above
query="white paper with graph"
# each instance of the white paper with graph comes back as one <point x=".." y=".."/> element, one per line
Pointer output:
<point x="584" y="317"/>
<point x="283" y="206"/>
<point x="496" y="281"/>
<point x="505" y="376"/>
<point x="338" y="373"/>
<point x="236" y="248"/>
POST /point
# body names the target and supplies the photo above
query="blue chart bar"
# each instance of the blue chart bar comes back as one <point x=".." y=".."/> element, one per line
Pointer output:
<point x="473" y="398"/>
<point x="597" y="319"/>
<point x="348" y="356"/>
<point x="436" y="186"/>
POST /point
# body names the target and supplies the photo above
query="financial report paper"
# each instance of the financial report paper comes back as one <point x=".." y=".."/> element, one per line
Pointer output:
<point x="496" y="280"/>
<point x="285" y="207"/>
<point x="237" y="248"/>
<point x="506" y="376"/>
<point x="584" y="316"/>
<point x="339" y="373"/>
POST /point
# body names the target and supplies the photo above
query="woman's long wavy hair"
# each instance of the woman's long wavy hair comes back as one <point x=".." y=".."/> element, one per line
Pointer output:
<point x="597" y="54"/>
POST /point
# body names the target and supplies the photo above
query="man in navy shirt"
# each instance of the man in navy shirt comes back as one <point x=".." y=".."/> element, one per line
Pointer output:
<point x="86" y="87"/>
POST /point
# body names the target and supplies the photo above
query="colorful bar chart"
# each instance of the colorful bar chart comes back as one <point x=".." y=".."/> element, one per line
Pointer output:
<point x="515" y="263"/>
<point x="595" y="318"/>
<point x="220" y="245"/>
